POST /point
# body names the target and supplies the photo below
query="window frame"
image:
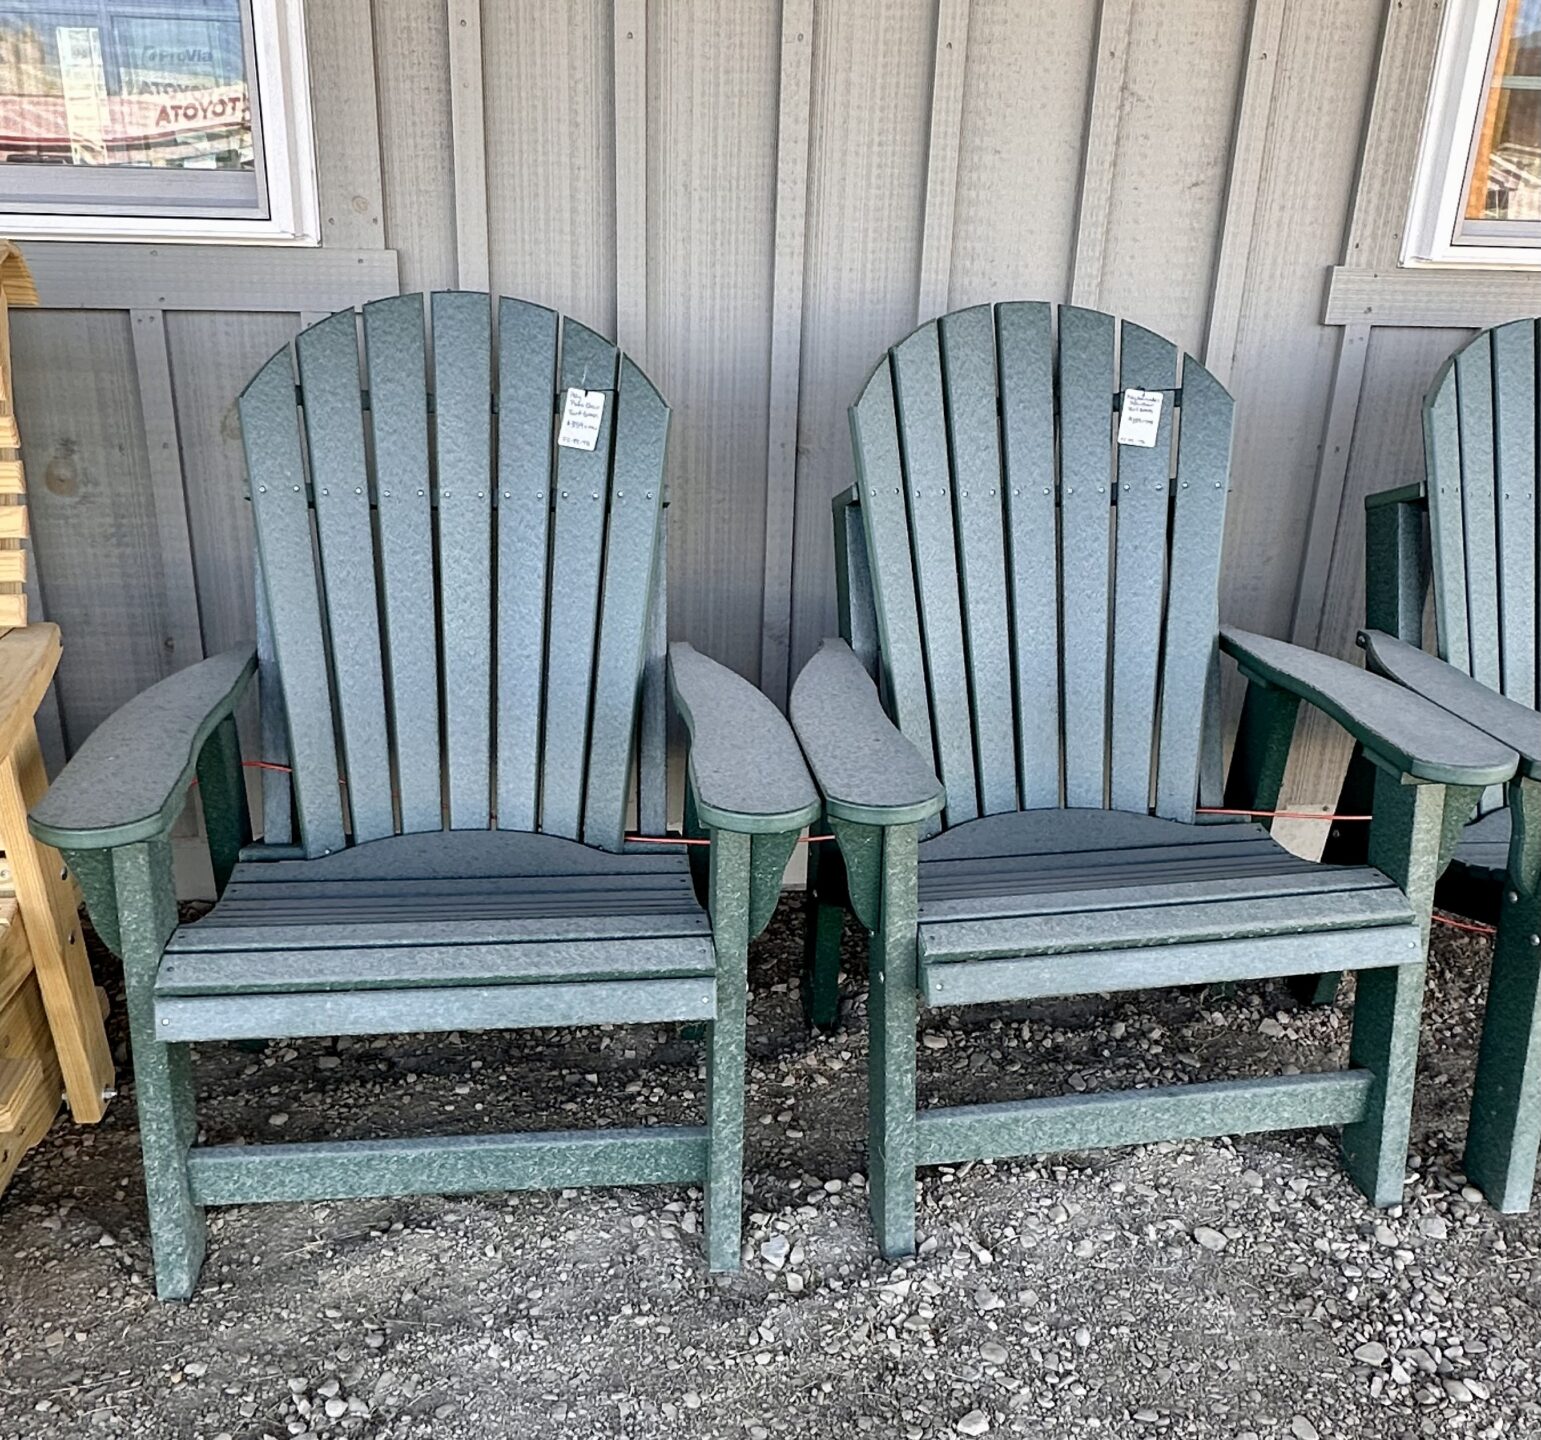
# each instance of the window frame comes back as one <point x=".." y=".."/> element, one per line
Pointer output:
<point x="283" y="138"/>
<point x="1457" y="90"/>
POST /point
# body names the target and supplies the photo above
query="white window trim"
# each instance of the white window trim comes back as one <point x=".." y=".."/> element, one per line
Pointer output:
<point x="1455" y="99"/>
<point x="288" y="140"/>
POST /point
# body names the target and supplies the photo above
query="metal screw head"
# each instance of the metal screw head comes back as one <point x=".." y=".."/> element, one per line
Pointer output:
<point x="263" y="489"/>
<point x="325" y="491"/>
<point x="296" y="489"/>
<point x="420" y="494"/>
<point x="386" y="493"/>
<point x="564" y="494"/>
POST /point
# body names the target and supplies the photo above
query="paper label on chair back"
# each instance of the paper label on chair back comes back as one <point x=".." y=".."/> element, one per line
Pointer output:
<point x="1139" y="418"/>
<point x="582" y="412"/>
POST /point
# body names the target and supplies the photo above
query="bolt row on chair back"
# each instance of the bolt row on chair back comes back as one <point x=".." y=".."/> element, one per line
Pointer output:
<point x="1039" y="604"/>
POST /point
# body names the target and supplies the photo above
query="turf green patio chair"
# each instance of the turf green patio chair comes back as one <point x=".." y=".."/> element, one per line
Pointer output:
<point x="1014" y="798"/>
<point x="466" y="675"/>
<point x="1480" y="495"/>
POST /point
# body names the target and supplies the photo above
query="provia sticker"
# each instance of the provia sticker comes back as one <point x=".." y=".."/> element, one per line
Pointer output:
<point x="1139" y="418"/>
<point x="582" y="412"/>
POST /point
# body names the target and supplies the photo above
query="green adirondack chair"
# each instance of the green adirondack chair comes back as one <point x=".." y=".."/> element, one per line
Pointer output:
<point x="472" y="648"/>
<point x="1014" y="799"/>
<point x="1479" y="499"/>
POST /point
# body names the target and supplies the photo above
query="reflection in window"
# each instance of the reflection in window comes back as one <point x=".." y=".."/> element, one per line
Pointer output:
<point x="1505" y="180"/>
<point x="125" y="83"/>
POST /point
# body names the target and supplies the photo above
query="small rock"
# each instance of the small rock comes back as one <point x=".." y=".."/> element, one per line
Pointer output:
<point x="278" y="1119"/>
<point x="336" y="1408"/>
<point x="1471" y="1195"/>
<point x="775" y="1250"/>
<point x="932" y="1041"/>
<point x="195" y="1368"/>
<point x="328" y="1062"/>
<point x="1083" y="1336"/>
<point x="1271" y="1028"/>
<point x="1434" y="1227"/>
<point x="795" y="1282"/>
<point x="992" y="1353"/>
<point x="1371" y="1353"/>
<point x="1209" y="1239"/>
<point x="1303" y="1429"/>
<point x="976" y="1422"/>
<point x="1457" y="1390"/>
<point x="986" y="1300"/>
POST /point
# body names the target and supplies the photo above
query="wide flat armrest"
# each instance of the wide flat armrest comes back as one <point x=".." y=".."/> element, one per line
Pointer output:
<point x="128" y="781"/>
<point x="1394" y="725"/>
<point x="869" y="772"/>
<point x="1507" y="721"/>
<point x="746" y="771"/>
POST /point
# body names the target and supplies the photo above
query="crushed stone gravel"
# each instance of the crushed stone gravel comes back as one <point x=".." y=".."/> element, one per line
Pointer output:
<point x="1232" y="1288"/>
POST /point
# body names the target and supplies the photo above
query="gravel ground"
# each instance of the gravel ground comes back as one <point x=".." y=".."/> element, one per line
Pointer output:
<point x="1238" y="1289"/>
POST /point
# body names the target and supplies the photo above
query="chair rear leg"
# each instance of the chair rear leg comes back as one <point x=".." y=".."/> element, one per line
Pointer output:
<point x="823" y="924"/>
<point x="724" y="1191"/>
<point x="891" y="1060"/>
<point x="1505" y="1127"/>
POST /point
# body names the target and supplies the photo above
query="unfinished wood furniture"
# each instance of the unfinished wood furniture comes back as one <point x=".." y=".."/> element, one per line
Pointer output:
<point x="1039" y="606"/>
<point x="16" y="289"/>
<point x="479" y="646"/>
<point x="51" y="1032"/>
<point x="1479" y="502"/>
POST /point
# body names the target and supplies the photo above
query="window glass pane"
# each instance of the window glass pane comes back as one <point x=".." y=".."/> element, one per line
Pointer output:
<point x="125" y="83"/>
<point x="1505" y="181"/>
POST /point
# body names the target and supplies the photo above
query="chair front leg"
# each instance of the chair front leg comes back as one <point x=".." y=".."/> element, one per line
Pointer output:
<point x="729" y="904"/>
<point x="891" y="1008"/>
<point x="163" y="1089"/>
<point x="1405" y="844"/>
<point x="1504" y="1131"/>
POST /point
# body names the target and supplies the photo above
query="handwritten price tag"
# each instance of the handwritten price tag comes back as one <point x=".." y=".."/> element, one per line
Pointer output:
<point x="582" y="412"/>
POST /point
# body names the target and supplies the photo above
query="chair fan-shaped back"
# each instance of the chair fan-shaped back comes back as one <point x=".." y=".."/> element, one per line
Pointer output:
<point x="1045" y="597"/>
<point x="459" y="606"/>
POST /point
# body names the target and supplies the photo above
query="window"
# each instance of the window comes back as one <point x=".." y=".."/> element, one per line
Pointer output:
<point x="1477" y="199"/>
<point x="163" y="119"/>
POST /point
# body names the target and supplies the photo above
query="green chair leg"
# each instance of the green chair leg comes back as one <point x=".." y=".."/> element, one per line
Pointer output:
<point x="724" y="1203"/>
<point x="162" y="1074"/>
<point x="1405" y="844"/>
<point x="891" y="1036"/>
<point x="1388" y="1005"/>
<point x="822" y="931"/>
<point x="1505" y="1129"/>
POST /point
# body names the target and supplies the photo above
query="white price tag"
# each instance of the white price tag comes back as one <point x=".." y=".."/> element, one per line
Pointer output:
<point x="1139" y="418"/>
<point x="582" y="412"/>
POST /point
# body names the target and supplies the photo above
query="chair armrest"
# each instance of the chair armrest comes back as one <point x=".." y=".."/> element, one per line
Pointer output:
<point x="869" y="772"/>
<point x="128" y="781"/>
<point x="1506" y="720"/>
<point x="1396" y="727"/>
<point x="746" y="771"/>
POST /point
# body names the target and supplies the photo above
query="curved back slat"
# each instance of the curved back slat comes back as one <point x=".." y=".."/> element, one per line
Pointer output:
<point x="1046" y="597"/>
<point x="462" y="611"/>
<point x="1479" y="436"/>
<point x="398" y="414"/>
<point x="334" y="433"/>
